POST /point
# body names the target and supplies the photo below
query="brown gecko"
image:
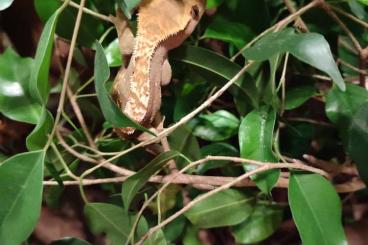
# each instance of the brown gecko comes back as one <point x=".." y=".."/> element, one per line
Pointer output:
<point x="162" y="25"/>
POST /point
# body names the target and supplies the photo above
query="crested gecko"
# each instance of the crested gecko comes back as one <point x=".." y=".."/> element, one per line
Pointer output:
<point x="162" y="25"/>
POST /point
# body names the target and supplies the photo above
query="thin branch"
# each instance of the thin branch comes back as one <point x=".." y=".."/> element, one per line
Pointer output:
<point x="79" y="115"/>
<point x="347" y="64"/>
<point x="181" y="122"/>
<point x="108" y="165"/>
<point x="350" y="16"/>
<point x="279" y="25"/>
<point x="67" y="72"/>
<point x="299" y="21"/>
<point x="89" y="11"/>
<point x="327" y="8"/>
<point x="219" y="189"/>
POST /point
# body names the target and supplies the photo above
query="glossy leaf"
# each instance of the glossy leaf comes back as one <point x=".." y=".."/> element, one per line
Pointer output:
<point x="191" y="236"/>
<point x="365" y="2"/>
<point x="311" y="48"/>
<point x="127" y="6"/>
<point x="166" y="201"/>
<point x="357" y="8"/>
<point x="213" y="3"/>
<point x="261" y="224"/>
<point x="218" y="126"/>
<point x="341" y="107"/>
<point x="229" y="31"/>
<point x="255" y="141"/>
<point x="113" y="55"/>
<point x="15" y="100"/>
<point x="182" y="140"/>
<point x="39" y="86"/>
<point x="109" y="109"/>
<point x="316" y="210"/>
<point x="216" y="149"/>
<point x="21" y="195"/>
<point x="37" y="139"/>
<point x="69" y="241"/>
<point x="134" y="183"/>
<point x="90" y="27"/>
<point x="158" y="238"/>
<point x="297" y="96"/>
<point x="229" y="207"/>
<point x="190" y="95"/>
<point x="4" y="4"/>
<point x="254" y="14"/>
<point x="358" y="140"/>
<point x="218" y="68"/>
<point x="109" y="219"/>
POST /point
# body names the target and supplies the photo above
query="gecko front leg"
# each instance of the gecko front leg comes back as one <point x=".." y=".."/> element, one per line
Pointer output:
<point x="166" y="73"/>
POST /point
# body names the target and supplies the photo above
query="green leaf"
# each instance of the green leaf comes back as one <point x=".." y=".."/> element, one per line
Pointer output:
<point x="15" y="100"/>
<point x="216" y="149"/>
<point x="297" y="96"/>
<point x="182" y="140"/>
<point x="228" y="207"/>
<point x="316" y="210"/>
<point x="109" y="109"/>
<point x="69" y="241"/>
<point x="188" y="96"/>
<point x="365" y="2"/>
<point x="90" y="27"/>
<point x="261" y="224"/>
<point x="254" y="14"/>
<point x="4" y="4"/>
<point x="117" y="224"/>
<point x="109" y="219"/>
<point x="217" y="68"/>
<point x="255" y="141"/>
<point x="158" y="238"/>
<point x="218" y="126"/>
<point x="229" y="31"/>
<point x="135" y="182"/>
<point x="358" y="140"/>
<point x="213" y="3"/>
<point x="191" y="236"/>
<point x="311" y="48"/>
<point x="358" y="8"/>
<point x="167" y="200"/>
<point x="37" y="139"/>
<point x="127" y="6"/>
<point x="21" y="195"/>
<point x="341" y="107"/>
<point x="39" y="86"/>
<point x="113" y="55"/>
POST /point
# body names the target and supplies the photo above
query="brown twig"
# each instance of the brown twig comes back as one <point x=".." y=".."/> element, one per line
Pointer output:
<point x="362" y="55"/>
<point x="260" y="169"/>
<point x="107" y="165"/>
<point x="299" y="21"/>
<point x="89" y="11"/>
<point x="67" y="71"/>
<point x="279" y="25"/>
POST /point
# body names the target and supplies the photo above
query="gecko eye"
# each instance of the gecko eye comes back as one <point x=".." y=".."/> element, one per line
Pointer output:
<point x="195" y="12"/>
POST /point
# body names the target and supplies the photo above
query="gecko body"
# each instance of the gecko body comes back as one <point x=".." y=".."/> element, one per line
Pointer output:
<point x="162" y="25"/>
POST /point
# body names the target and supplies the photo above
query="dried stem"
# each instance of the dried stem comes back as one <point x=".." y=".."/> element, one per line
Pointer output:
<point x="299" y="21"/>
<point x="90" y="12"/>
<point x="260" y="169"/>
<point x="279" y="25"/>
<point x="67" y="72"/>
